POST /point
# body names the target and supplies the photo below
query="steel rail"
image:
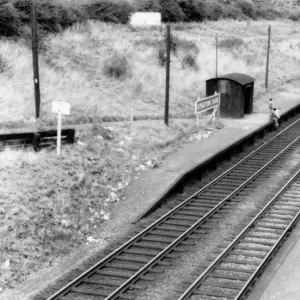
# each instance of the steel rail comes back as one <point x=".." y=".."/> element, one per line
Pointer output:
<point x="100" y="264"/>
<point x="198" y="223"/>
<point x="229" y="248"/>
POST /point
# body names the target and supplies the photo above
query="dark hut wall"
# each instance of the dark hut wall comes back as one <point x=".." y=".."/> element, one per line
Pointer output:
<point x="232" y="98"/>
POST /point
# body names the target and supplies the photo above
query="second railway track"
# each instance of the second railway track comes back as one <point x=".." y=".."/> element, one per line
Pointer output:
<point x="126" y="271"/>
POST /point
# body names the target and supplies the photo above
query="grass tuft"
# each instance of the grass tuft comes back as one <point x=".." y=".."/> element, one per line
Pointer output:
<point x="117" y="66"/>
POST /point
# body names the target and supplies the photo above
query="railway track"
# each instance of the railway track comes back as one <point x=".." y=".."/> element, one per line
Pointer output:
<point x="234" y="271"/>
<point x="126" y="271"/>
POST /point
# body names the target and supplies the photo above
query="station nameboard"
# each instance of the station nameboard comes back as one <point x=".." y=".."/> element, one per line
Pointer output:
<point x="207" y="103"/>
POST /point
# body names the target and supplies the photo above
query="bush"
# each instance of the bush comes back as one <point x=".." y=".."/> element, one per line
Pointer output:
<point x="106" y="11"/>
<point x="295" y="16"/>
<point x="190" y="61"/>
<point x="231" y="43"/>
<point x="247" y="8"/>
<point x="117" y="66"/>
<point x="171" y="11"/>
<point x="9" y="20"/>
<point x="213" y="11"/>
<point x="162" y="56"/>
<point x="50" y="17"/>
<point x="192" y="9"/>
<point x="3" y="64"/>
<point x="148" y="5"/>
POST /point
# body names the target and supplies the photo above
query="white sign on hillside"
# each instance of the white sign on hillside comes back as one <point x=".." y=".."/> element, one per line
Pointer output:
<point x="145" y="19"/>
<point x="60" y="108"/>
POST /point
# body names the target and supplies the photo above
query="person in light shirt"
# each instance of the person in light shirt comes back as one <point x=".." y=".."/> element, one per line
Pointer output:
<point x="276" y="116"/>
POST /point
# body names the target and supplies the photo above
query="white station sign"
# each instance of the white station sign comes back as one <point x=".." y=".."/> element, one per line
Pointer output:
<point x="61" y="107"/>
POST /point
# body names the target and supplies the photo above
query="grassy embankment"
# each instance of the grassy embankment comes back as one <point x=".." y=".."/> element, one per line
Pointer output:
<point x="49" y="205"/>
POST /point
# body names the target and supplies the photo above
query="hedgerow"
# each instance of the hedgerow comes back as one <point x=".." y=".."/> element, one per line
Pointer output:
<point x="53" y="16"/>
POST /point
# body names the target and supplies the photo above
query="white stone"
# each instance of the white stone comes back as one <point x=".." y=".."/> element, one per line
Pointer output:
<point x="133" y="157"/>
<point x="81" y="143"/>
<point x="128" y="138"/>
<point x="143" y="168"/>
<point x="100" y="137"/>
<point x="119" y="150"/>
<point x="149" y="163"/>
<point x="113" y="197"/>
<point x="91" y="239"/>
<point x="121" y="143"/>
<point x="106" y="217"/>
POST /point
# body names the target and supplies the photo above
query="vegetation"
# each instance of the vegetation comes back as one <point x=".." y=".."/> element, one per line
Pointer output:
<point x="52" y="16"/>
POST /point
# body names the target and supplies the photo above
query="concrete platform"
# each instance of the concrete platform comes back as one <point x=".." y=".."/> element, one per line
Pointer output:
<point x="281" y="279"/>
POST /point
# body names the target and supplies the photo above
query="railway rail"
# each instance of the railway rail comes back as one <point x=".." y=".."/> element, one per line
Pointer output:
<point x="234" y="271"/>
<point x="125" y="272"/>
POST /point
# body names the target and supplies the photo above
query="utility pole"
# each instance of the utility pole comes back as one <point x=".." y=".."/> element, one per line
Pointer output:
<point x="268" y="54"/>
<point x="216" y="55"/>
<point x="168" y="41"/>
<point x="35" y="60"/>
<point x="217" y="62"/>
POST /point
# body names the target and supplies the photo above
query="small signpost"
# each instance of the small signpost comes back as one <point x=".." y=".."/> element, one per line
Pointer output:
<point x="211" y="102"/>
<point x="61" y="108"/>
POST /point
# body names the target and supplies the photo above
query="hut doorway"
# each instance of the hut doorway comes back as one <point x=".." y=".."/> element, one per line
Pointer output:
<point x="248" y="100"/>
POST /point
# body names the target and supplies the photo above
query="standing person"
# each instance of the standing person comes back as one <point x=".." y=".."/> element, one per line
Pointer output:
<point x="271" y="112"/>
<point x="276" y="117"/>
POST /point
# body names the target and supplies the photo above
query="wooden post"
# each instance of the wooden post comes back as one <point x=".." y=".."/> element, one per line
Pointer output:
<point x="216" y="55"/>
<point x="35" y="60"/>
<point x="268" y="54"/>
<point x="58" y="132"/>
<point x="168" y="40"/>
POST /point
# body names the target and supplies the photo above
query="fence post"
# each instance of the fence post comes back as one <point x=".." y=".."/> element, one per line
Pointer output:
<point x="268" y="54"/>
<point x="168" y="40"/>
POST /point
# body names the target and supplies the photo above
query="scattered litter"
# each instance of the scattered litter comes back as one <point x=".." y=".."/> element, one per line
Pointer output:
<point x="128" y="138"/>
<point x="113" y="197"/>
<point x="106" y="217"/>
<point x="6" y="264"/>
<point x="143" y="168"/>
<point x="91" y="239"/>
<point x="81" y="143"/>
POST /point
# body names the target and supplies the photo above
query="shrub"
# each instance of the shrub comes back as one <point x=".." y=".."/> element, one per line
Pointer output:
<point x="192" y="9"/>
<point x="247" y="8"/>
<point x="3" y="64"/>
<point x="117" y="66"/>
<point x="171" y="11"/>
<point x="190" y="61"/>
<point x="231" y="43"/>
<point x="106" y="11"/>
<point x="148" y="5"/>
<point x="295" y="16"/>
<point x="213" y="11"/>
<point x="9" y="20"/>
<point x="162" y="56"/>
<point x="50" y="17"/>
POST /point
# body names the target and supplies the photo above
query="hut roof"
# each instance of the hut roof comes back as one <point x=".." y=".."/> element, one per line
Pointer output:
<point x="240" y="78"/>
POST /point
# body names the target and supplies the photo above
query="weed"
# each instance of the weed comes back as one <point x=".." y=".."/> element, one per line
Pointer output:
<point x="231" y="43"/>
<point x="117" y="66"/>
<point x="189" y="60"/>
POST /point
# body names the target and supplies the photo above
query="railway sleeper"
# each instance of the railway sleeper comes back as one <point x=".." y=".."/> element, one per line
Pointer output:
<point x="140" y="259"/>
<point x="261" y="241"/>
<point x="248" y="253"/>
<point x="238" y="277"/>
<point x="213" y="294"/>
<point x="125" y="275"/>
<point x="101" y="293"/>
<point x="114" y="283"/>
<point x="286" y="216"/>
<point x="233" y="269"/>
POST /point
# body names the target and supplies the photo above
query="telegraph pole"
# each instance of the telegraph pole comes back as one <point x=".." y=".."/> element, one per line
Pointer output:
<point x="216" y="55"/>
<point x="35" y="60"/>
<point x="217" y="62"/>
<point x="168" y="41"/>
<point x="268" y="54"/>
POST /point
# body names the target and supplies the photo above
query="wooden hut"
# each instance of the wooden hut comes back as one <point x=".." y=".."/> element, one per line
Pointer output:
<point x="236" y="93"/>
